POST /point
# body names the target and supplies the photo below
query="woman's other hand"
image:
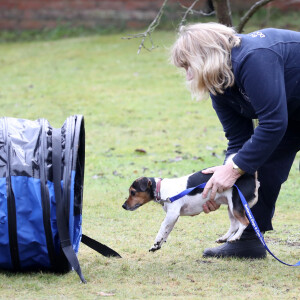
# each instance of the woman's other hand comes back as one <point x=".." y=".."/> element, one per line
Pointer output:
<point x="224" y="177"/>
<point x="210" y="206"/>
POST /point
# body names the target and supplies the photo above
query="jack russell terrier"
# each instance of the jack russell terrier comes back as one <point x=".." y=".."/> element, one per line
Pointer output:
<point x="145" y="189"/>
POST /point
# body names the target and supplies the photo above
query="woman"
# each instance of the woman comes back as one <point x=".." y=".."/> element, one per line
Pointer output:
<point x="252" y="76"/>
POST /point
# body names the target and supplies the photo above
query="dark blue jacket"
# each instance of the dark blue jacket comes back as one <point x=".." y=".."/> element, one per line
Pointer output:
<point x="266" y="67"/>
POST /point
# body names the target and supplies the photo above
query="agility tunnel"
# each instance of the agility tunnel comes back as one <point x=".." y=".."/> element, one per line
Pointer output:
<point x="41" y="195"/>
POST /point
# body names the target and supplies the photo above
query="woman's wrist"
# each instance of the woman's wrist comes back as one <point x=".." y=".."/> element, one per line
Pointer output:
<point x="237" y="169"/>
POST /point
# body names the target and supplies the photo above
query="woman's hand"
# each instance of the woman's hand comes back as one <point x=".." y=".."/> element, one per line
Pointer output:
<point x="210" y="206"/>
<point x="223" y="179"/>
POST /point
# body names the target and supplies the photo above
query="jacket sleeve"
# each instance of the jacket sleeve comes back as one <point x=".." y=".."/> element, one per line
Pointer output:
<point x="261" y="74"/>
<point x="238" y="129"/>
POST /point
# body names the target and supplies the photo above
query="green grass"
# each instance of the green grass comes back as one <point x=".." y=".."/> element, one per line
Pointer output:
<point x="132" y="102"/>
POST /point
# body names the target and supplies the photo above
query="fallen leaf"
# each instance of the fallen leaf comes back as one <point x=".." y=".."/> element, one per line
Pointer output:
<point x="197" y="158"/>
<point x="214" y="154"/>
<point x="116" y="173"/>
<point x="176" y="159"/>
<point x="104" y="294"/>
<point x="189" y="277"/>
<point x="140" y="150"/>
<point x="203" y="261"/>
<point x="99" y="175"/>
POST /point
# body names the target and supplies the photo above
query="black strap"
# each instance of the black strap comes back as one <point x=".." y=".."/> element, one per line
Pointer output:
<point x="61" y="217"/>
<point x="100" y="248"/>
<point x="45" y="198"/>
<point x="11" y="206"/>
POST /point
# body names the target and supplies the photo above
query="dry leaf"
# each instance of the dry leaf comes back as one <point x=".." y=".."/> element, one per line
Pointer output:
<point x="104" y="294"/>
<point x="141" y="150"/>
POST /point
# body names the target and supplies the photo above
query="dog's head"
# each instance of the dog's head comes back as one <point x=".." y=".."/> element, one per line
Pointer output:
<point x="140" y="193"/>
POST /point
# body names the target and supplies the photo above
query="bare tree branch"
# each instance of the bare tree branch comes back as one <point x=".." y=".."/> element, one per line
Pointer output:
<point x="149" y="31"/>
<point x="222" y="10"/>
<point x="147" y="34"/>
<point x="253" y="9"/>
<point x="190" y="10"/>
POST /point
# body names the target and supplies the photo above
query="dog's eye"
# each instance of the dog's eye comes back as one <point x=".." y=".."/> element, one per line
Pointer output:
<point x="132" y="193"/>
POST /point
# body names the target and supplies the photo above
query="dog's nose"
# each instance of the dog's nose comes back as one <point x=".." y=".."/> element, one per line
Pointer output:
<point x="124" y="206"/>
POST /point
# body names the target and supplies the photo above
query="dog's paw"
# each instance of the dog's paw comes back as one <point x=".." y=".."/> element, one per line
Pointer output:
<point x="233" y="239"/>
<point x="154" y="248"/>
<point x="221" y="240"/>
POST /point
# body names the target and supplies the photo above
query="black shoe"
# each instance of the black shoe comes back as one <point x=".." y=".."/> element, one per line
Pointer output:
<point x="249" y="246"/>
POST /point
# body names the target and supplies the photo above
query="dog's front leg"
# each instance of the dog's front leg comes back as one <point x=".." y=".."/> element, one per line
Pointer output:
<point x="165" y="229"/>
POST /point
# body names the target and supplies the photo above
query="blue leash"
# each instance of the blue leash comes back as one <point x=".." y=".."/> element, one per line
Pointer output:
<point x="248" y="212"/>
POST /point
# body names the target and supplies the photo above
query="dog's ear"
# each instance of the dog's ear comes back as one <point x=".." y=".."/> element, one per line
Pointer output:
<point x="141" y="184"/>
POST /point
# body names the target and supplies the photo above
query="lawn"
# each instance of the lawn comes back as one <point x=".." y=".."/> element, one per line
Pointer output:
<point x="135" y="102"/>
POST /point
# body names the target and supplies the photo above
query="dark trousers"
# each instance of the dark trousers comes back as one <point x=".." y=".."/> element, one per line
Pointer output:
<point x="272" y="174"/>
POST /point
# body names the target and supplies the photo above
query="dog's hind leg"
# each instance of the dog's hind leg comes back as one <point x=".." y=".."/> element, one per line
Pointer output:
<point x="234" y="226"/>
<point x="243" y="223"/>
<point x="238" y="234"/>
<point x="165" y="229"/>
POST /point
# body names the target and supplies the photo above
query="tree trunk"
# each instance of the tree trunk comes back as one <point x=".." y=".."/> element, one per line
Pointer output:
<point x="223" y="12"/>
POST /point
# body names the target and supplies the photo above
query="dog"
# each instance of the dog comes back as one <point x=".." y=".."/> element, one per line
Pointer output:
<point x="146" y="189"/>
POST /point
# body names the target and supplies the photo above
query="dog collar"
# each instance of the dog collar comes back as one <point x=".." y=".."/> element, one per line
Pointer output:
<point x="157" y="190"/>
<point x="157" y="195"/>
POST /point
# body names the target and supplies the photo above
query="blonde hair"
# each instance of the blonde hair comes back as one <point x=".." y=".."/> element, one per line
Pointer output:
<point x="205" y="48"/>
